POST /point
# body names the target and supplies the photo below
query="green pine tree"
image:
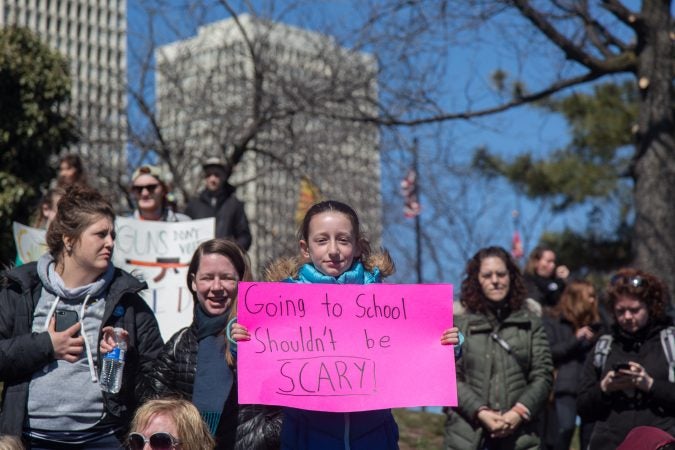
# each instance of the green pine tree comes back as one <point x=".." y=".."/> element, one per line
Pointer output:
<point x="595" y="167"/>
<point x="34" y="125"/>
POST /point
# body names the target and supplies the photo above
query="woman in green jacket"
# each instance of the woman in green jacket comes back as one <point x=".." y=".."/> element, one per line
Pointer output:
<point x="505" y="373"/>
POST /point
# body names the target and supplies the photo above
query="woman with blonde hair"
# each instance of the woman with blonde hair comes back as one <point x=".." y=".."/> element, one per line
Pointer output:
<point x="572" y="327"/>
<point x="169" y="423"/>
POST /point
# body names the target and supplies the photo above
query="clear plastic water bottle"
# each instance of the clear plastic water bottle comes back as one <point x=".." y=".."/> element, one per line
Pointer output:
<point x="113" y="365"/>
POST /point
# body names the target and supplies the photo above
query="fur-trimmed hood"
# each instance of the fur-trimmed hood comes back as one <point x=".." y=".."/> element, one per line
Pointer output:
<point x="283" y="268"/>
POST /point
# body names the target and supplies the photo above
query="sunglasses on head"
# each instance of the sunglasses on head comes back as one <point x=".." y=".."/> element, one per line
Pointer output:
<point x="150" y="187"/>
<point x="635" y="281"/>
<point x="158" y="441"/>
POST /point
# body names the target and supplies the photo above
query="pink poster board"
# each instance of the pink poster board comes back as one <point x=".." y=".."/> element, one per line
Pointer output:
<point x="345" y="347"/>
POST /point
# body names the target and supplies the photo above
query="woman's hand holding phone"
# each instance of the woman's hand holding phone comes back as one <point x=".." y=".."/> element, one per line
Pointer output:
<point x="68" y="344"/>
<point x="624" y="376"/>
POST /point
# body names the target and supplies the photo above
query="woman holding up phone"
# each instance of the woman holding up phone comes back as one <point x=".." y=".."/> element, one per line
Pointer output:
<point x="632" y="385"/>
<point x="572" y="327"/>
<point x="54" y="315"/>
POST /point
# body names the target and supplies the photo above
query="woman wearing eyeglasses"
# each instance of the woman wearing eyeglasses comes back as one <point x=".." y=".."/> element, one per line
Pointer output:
<point x="150" y="194"/>
<point x="630" y="383"/>
<point x="166" y="424"/>
<point x="505" y="373"/>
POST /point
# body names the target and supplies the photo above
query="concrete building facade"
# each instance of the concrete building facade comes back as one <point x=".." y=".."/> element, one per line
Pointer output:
<point x="92" y="35"/>
<point x="294" y="88"/>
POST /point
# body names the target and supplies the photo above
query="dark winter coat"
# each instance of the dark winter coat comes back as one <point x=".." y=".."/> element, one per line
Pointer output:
<point x="23" y="352"/>
<point x="257" y="427"/>
<point x="546" y="291"/>
<point x="617" y="413"/>
<point x="488" y="375"/>
<point x="568" y="352"/>
<point x="231" y="221"/>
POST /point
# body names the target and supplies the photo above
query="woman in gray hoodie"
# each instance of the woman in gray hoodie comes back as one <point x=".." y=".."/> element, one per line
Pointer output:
<point x="51" y="369"/>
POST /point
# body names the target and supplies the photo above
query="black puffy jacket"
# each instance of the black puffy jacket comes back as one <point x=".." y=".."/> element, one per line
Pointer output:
<point x="257" y="427"/>
<point x="23" y="352"/>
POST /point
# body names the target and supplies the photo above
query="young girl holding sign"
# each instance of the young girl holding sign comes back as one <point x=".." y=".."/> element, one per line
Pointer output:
<point x="334" y="251"/>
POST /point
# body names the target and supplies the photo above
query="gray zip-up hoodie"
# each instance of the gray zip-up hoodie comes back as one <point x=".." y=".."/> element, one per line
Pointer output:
<point x="63" y="395"/>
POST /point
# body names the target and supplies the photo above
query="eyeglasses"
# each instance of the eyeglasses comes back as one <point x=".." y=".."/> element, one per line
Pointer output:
<point x="150" y="187"/>
<point x="216" y="173"/>
<point x="158" y="441"/>
<point x="635" y="281"/>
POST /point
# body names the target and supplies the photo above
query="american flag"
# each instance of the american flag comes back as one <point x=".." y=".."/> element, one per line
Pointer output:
<point x="411" y="206"/>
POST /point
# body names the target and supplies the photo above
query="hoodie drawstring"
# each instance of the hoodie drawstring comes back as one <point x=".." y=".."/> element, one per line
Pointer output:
<point x="50" y="314"/>
<point x="87" y="346"/>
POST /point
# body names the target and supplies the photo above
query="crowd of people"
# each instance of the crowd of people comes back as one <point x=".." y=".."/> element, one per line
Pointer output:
<point x="538" y="355"/>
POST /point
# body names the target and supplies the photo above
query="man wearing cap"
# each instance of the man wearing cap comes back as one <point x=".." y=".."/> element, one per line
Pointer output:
<point x="150" y="193"/>
<point x="218" y="200"/>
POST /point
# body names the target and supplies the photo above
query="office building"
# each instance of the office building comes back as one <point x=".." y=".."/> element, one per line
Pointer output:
<point x="92" y="35"/>
<point x="292" y="99"/>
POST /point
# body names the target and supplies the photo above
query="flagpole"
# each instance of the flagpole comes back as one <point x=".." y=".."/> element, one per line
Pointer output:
<point x="418" y="226"/>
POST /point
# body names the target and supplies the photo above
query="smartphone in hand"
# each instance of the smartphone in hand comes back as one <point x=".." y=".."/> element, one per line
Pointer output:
<point x="620" y="366"/>
<point x="64" y="319"/>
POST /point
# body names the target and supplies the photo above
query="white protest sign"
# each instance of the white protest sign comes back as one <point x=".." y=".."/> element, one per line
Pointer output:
<point x="159" y="253"/>
<point x="30" y="242"/>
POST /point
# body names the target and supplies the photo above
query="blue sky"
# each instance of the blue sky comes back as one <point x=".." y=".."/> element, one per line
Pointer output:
<point x="466" y="69"/>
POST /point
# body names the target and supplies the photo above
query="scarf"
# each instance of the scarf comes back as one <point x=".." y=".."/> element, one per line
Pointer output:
<point x="357" y="274"/>
<point x="501" y="309"/>
<point x="214" y="378"/>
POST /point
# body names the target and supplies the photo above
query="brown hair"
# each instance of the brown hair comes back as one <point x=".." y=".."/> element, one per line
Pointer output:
<point x="79" y="207"/>
<point x="575" y="307"/>
<point x="472" y="296"/>
<point x="533" y="259"/>
<point x="39" y="220"/>
<point x="232" y="251"/>
<point x="362" y="242"/>
<point x="75" y="162"/>
<point x="641" y="286"/>
<point x="192" y="431"/>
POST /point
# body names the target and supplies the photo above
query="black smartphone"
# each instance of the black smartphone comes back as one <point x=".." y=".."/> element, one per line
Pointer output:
<point x="620" y="366"/>
<point x="595" y="327"/>
<point x="65" y="319"/>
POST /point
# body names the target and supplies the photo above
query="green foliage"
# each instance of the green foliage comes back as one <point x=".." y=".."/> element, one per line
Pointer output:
<point x="601" y="123"/>
<point x="34" y="92"/>
<point x="586" y="253"/>
<point x="594" y="167"/>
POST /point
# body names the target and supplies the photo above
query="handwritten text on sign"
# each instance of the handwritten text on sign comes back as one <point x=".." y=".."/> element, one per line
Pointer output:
<point x="159" y="251"/>
<point x="344" y="348"/>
